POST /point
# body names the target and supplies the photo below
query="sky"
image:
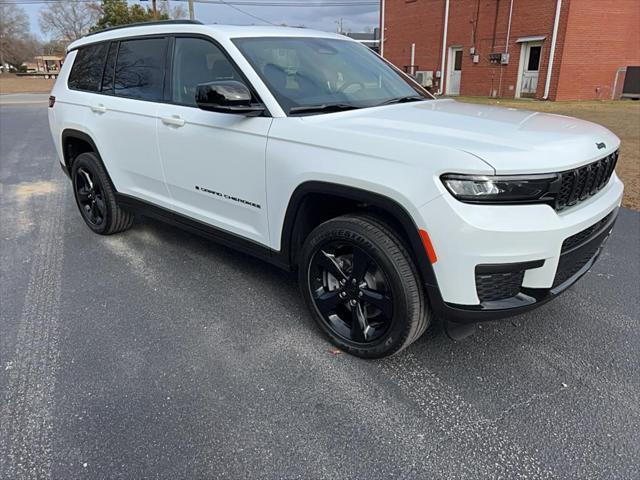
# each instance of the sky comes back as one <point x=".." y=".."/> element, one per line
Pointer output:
<point x="355" y="19"/>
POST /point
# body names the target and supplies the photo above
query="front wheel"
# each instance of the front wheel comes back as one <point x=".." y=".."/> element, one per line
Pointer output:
<point x="362" y="286"/>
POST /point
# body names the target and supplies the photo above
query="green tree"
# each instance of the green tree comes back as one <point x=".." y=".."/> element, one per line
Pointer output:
<point x="118" y="12"/>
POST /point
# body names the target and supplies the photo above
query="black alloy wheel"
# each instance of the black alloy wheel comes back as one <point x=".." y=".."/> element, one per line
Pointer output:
<point x="351" y="292"/>
<point x="95" y="196"/>
<point x="90" y="198"/>
<point x="362" y="286"/>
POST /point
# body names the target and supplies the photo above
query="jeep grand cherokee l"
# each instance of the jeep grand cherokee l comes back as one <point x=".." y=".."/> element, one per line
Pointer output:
<point x="309" y="150"/>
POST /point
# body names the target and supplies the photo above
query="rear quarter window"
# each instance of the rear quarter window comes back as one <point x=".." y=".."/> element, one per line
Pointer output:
<point x="86" y="72"/>
<point x="139" y="71"/>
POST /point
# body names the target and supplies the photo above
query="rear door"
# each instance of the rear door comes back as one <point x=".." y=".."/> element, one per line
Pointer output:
<point x="122" y="116"/>
<point x="214" y="162"/>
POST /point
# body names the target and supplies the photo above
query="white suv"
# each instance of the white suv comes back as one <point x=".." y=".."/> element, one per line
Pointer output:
<point x="307" y="149"/>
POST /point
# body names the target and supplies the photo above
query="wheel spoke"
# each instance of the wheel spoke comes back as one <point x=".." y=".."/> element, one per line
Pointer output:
<point x="378" y="300"/>
<point x="358" y="324"/>
<point x="360" y="265"/>
<point x="329" y="263"/>
<point x="95" y="212"/>
<point x="327" y="302"/>
<point x="83" y="194"/>
<point x="86" y="177"/>
<point x="90" y="213"/>
<point x="100" y="205"/>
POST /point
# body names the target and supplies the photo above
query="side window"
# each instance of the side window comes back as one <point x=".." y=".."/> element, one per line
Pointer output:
<point x="197" y="61"/>
<point x="109" y="68"/>
<point x="86" y="73"/>
<point x="139" y="71"/>
<point x="534" y="59"/>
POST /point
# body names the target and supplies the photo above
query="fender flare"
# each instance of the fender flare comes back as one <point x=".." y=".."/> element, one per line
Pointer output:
<point x="379" y="201"/>
<point x="85" y="137"/>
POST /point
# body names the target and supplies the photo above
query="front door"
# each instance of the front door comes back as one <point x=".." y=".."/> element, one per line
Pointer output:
<point x="455" y="71"/>
<point x="214" y="163"/>
<point x="530" y="69"/>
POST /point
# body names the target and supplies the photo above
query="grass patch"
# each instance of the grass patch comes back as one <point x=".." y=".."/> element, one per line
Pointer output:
<point x="10" y="83"/>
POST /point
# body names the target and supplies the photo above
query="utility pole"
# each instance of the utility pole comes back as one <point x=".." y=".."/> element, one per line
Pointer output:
<point x="192" y="15"/>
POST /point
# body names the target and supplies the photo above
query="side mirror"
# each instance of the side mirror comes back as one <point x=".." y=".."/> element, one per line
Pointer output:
<point x="227" y="96"/>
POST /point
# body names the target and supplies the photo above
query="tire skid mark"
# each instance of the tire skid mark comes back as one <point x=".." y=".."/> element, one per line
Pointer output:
<point x="26" y="413"/>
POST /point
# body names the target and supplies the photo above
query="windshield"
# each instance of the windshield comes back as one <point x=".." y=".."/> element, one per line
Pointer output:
<point x="315" y="75"/>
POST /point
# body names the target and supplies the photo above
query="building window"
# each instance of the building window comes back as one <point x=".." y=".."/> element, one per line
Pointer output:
<point x="534" y="59"/>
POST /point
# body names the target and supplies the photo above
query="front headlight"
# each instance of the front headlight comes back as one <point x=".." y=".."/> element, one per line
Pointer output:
<point x="502" y="189"/>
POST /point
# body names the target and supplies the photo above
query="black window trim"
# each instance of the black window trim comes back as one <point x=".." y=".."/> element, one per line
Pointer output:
<point x="104" y="69"/>
<point x="104" y="61"/>
<point x="224" y="52"/>
<point x="109" y="42"/>
<point x="164" y="56"/>
<point x="170" y="46"/>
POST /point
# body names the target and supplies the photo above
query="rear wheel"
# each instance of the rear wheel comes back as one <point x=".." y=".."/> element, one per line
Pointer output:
<point x="362" y="287"/>
<point x="96" y="198"/>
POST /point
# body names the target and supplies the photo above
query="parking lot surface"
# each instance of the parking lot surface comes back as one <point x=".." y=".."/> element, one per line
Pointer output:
<point x="157" y="354"/>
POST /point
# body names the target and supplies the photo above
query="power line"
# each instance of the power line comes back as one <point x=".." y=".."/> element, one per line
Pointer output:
<point x="247" y="13"/>
<point x="234" y="4"/>
<point x="252" y="3"/>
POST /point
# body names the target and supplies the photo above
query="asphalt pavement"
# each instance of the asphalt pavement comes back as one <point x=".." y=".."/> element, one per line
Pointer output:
<point x="157" y="354"/>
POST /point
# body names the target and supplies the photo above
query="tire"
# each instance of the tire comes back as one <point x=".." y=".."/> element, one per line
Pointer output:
<point x="95" y="196"/>
<point x="387" y="300"/>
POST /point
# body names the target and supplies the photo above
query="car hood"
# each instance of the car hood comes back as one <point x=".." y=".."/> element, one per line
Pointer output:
<point x="510" y="140"/>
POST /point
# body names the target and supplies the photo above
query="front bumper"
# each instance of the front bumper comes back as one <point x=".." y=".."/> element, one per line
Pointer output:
<point x="529" y="239"/>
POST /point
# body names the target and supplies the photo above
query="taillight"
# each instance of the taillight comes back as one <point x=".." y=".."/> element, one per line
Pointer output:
<point x="52" y="101"/>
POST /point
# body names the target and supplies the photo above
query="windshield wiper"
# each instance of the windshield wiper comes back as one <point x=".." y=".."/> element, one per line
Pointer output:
<point x="325" y="107"/>
<point x="410" y="98"/>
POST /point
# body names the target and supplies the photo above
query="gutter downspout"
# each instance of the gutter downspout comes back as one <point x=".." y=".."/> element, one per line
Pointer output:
<point x="413" y="58"/>
<point x="382" y="5"/>
<point x="444" y="45"/>
<point x="554" y="38"/>
<point x="506" y="48"/>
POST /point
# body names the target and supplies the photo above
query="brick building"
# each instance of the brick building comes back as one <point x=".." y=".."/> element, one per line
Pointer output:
<point x="555" y="49"/>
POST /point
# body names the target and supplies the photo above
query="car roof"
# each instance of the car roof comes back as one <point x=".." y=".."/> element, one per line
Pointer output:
<point x="220" y="32"/>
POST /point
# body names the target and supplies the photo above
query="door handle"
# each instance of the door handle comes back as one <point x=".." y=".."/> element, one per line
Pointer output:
<point x="173" y="120"/>
<point x="100" y="108"/>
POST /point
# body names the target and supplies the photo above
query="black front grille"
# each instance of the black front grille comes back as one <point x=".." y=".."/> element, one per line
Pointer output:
<point x="498" y="286"/>
<point x="585" y="234"/>
<point x="581" y="183"/>
<point x="577" y="250"/>
<point x="569" y="265"/>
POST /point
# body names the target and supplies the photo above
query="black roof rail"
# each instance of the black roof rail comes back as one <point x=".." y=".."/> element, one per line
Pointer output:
<point x="147" y="24"/>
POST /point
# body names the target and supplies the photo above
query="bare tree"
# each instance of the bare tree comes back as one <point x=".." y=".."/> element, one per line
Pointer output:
<point x="175" y="12"/>
<point x="23" y="50"/>
<point x="14" y="32"/>
<point x="54" y="47"/>
<point x="68" y="21"/>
